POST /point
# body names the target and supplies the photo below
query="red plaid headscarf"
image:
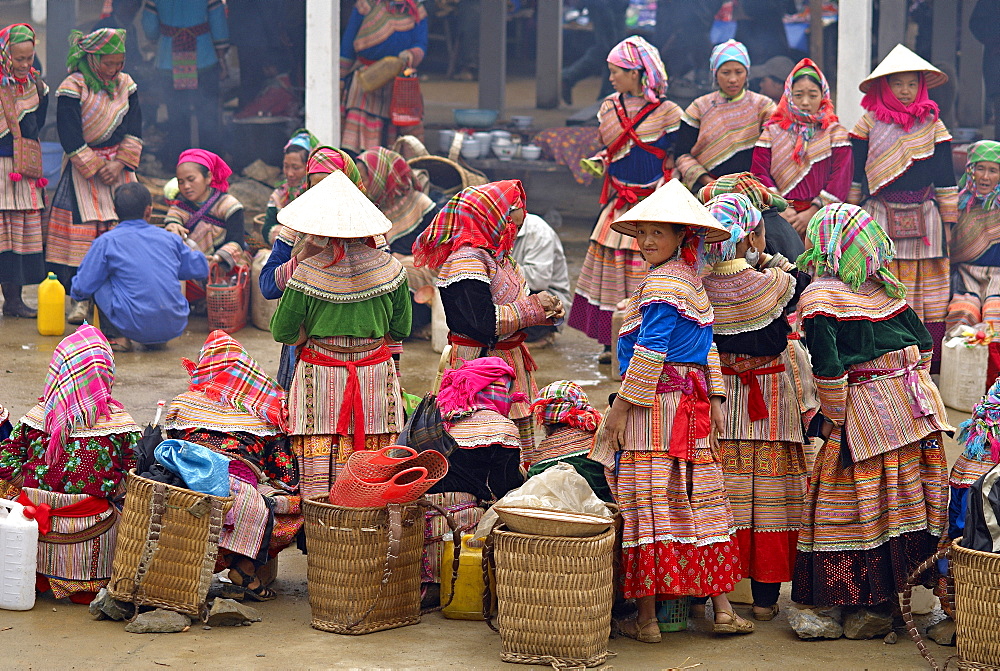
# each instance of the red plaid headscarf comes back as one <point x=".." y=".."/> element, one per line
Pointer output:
<point x="389" y="177"/>
<point x="477" y="216"/>
<point x="77" y="387"/>
<point x="227" y="374"/>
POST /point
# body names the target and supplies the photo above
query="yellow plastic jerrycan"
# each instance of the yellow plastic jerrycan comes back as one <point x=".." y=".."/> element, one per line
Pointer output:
<point x="468" y="601"/>
<point x="51" y="306"/>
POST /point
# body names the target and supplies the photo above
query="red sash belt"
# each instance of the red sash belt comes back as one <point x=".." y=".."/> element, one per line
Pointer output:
<point x="756" y="407"/>
<point x="694" y="418"/>
<point x="352" y="405"/>
<point x="43" y="512"/>
<point x="514" y="342"/>
<point x="628" y="133"/>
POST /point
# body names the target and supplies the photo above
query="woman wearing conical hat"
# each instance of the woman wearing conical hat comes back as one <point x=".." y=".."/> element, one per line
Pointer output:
<point x="659" y="442"/>
<point x="903" y="177"/>
<point x="342" y="306"/>
<point x="975" y="242"/>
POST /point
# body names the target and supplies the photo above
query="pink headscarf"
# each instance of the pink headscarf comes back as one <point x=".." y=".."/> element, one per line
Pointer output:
<point x="635" y="53"/>
<point x="468" y="387"/>
<point x="219" y="169"/>
<point x="887" y="108"/>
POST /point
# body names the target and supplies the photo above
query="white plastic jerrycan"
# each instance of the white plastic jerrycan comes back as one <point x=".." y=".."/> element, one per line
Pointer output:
<point x="18" y="557"/>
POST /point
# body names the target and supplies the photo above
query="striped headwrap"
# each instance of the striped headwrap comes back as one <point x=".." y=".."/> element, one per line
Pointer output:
<point x="85" y="50"/>
<point x="730" y="50"/>
<point x="802" y="125"/>
<point x="303" y="139"/>
<point x="743" y="182"/>
<point x="14" y="34"/>
<point x="565" y="402"/>
<point x="477" y="216"/>
<point x="635" y="53"/>
<point x="849" y="244"/>
<point x="739" y="216"/>
<point x="984" y="150"/>
<point x="227" y="374"/>
<point x="389" y="177"/>
<point x="77" y="387"/>
<point x="981" y="433"/>
<point x="325" y="159"/>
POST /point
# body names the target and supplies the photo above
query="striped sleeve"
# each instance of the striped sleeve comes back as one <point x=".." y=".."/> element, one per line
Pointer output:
<point x="716" y="383"/>
<point x="643" y="374"/>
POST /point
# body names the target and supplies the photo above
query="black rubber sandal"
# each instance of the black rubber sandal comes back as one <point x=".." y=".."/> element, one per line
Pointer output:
<point x="239" y="592"/>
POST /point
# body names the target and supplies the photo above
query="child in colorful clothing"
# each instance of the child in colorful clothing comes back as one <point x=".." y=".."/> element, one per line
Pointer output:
<point x="761" y="446"/>
<point x="71" y="452"/>
<point x="678" y="536"/>
<point x="877" y="502"/>
<point x="637" y="128"/>
<point x="975" y="241"/>
<point x="570" y="422"/>
<point x="980" y="435"/>
<point x="903" y="177"/>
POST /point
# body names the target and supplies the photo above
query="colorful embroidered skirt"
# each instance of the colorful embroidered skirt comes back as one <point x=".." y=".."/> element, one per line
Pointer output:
<point x="438" y="548"/>
<point x="928" y="286"/>
<point x="677" y="537"/>
<point x="766" y="483"/>
<point x="21" y="205"/>
<point x="866" y="527"/>
<point x="978" y="299"/>
<point x="322" y="456"/>
<point x="83" y="565"/>
<point x="367" y="117"/>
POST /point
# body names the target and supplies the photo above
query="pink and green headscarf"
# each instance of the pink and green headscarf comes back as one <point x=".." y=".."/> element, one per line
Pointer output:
<point x="635" y="53"/>
<point x="14" y="34"/>
<point x="739" y="216"/>
<point x="984" y="150"/>
<point x="84" y="50"/>
<point x="77" y="390"/>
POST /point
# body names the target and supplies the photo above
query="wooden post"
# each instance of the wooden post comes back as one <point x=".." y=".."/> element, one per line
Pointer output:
<point x="891" y="25"/>
<point x="816" y="32"/>
<point x="854" y="47"/>
<point x="548" y="53"/>
<point x="323" y="70"/>
<point x="970" y="77"/>
<point x="493" y="55"/>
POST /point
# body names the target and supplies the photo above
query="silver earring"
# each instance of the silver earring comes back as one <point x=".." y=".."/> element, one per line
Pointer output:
<point x="752" y="257"/>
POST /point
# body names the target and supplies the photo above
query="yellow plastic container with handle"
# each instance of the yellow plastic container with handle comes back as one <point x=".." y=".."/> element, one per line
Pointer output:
<point x="468" y="601"/>
<point x="51" y="307"/>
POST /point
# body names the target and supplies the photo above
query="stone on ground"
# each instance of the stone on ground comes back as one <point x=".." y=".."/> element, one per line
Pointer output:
<point x="943" y="632"/>
<point x="231" y="613"/>
<point x="103" y="607"/>
<point x="864" y="624"/>
<point x="158" y="621"/>
<point x="809" y="623"/>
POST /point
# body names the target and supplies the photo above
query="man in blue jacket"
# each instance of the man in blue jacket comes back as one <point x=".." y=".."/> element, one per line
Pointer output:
<point x="133" y="273"/>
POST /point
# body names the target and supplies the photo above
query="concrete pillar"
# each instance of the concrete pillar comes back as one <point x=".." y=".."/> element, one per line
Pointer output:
<point x="60" y="19"/>
<point x="493" y="55"/>
<point x="38" y="12"/>
<point x="548" y="53"/>
<point x="970" y="78"/>
<point x="854" y="46"/>
<point x="892" y="20"/>
<point x="323" y="70"/>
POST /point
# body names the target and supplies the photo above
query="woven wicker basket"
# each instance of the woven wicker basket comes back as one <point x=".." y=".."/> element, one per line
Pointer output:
<point x="168" y="539"/>
<point x="976" y="595"/>
<point x="347" y="565"/>
<point x="554" y="597"/>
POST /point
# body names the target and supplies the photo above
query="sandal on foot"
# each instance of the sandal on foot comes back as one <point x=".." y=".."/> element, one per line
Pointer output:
<point x="736" y="624"/>
<point x="646" y="632"/>
<point x="238" y="592"/>
<point x="765" y="615"/>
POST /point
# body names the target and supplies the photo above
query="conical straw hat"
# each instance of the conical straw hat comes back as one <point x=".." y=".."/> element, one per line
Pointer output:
<point x="672" y="203"/>
<point x="901" y="59"/>
<point x="334" y="208"/>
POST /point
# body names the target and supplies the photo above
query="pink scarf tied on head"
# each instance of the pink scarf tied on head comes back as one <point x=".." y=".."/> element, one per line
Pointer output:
<point x="887" y="108"/>
<point x="472" y="386"/>
<point x="220" y="170"/>
<point x="635" y="53"/>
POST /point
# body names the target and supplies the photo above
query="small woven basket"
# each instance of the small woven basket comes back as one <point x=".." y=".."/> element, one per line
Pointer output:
<point x="554" y="597"/>
<point x="168" y="540"/>
<point x="347" y="566"/>
<point x="976" y="605"/>
<point x="549" y="522"/>
<point x="228" y="304"/>
<point x="672" y="615"/>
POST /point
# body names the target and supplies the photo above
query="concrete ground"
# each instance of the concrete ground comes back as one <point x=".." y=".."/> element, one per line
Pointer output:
<point x="62" y="635"/>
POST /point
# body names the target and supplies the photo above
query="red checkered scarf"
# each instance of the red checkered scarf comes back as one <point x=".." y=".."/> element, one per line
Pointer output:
<point x="478" y="216"/>
<point x="389" y="177"/>
<point x="565" y="402"/>
<point x="228" y="375"/>
<point x="77" y="387"/>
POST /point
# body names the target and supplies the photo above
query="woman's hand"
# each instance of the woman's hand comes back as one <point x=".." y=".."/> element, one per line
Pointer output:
<point x="110" y="172"/>
<point x="176" y="229"/>
<point x="311" y="249"/>
<point x="302" y="336"/>
<point x="718" y="423"/>
<point x="614" y="422"/>
<point x="552" y="305"/>
<point x="826" y="430"/>
<point x="407" y="57"/>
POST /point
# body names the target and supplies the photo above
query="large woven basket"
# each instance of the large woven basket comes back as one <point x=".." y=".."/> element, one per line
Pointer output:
<point x="168" y="539"/>
<point x="976" y="594"/>
<point x="554" y="597"/>
<point x="355" y="587"/>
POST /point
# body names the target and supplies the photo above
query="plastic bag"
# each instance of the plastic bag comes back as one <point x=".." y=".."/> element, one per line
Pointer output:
<point x="556" y="488"/>
<point x="201" y="469"/>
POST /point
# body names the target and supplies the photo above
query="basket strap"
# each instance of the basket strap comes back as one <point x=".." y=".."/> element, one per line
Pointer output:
<point x="456" y="538"/>
<point x="907" y="610"/>
<point x="489" y="562"/>
<point x="157" y="505"/>
<point x="215" y="520"/>
<point x="395" y="511"/>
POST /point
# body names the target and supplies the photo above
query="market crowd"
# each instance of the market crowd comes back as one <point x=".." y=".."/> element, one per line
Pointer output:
<point x="785" y="285"/>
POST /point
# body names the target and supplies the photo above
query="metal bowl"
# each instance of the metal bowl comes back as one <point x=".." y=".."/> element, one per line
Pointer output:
<point x="475" y="118"/>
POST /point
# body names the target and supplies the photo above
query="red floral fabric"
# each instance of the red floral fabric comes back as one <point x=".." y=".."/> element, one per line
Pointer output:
<point x="671" y="570"/>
